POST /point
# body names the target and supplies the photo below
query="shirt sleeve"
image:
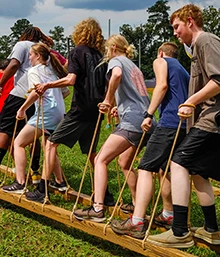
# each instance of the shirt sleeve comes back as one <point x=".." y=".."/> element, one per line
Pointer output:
<point x="111" y="65"/>
<point x="74" y="62"/>
<point x="18" y="53"/>
<point x="33" y="79"/>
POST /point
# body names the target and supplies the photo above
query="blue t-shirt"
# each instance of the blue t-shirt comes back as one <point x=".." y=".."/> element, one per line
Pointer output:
<point x="177" y="93"/>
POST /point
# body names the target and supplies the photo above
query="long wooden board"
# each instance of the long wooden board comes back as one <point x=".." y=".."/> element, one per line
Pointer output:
<point x="92" y="228"/>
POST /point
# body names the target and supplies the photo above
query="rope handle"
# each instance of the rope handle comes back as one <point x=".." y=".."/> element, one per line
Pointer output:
<point x="186" y="105"/>
<point x="106" y="105"/>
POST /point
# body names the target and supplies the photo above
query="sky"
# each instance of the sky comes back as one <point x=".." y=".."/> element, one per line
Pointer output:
<point x="111" y="14"/>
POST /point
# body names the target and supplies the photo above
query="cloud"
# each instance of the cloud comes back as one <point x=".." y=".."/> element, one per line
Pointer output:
<point x="112" y="5"/>
<point x="18" y="8"/>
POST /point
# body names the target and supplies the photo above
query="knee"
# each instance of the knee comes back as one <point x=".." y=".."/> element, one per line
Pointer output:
<point x="50" y="146"/>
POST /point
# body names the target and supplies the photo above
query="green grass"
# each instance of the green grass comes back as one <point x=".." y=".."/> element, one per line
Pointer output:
<point x="23" y="233"/>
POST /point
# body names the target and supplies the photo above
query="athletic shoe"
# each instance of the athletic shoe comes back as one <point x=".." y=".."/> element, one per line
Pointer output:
<point x="127" y="208"/>
<point x="161" y="221"/>
<point x="59" y="186"/>
<point x="35" y="196"/>
<point x="126" y="227"/>
<point x="14" y="188"/>
<point x="210" y="237"/>
<point x="108" y="126"/>
<point x="167" y="239"/>
<point x="36" y="177"/>
<point x="90" y="214"/>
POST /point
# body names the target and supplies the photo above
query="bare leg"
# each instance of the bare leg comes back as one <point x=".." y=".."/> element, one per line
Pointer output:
<point x="143" y="193"/>
<point x="125" y="160"/>
<point x="166" y="192"/>
<point x="113" y="147"/>
<point x="24" y="138"/>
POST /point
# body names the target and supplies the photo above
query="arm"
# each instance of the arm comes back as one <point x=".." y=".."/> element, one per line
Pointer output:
<point x="30" y="100"/>
<point x="160" y="70"/>
<point x="209" y="90"/>
<point x="112" y="87"/>
<point x="9" y="72"/>
<point x="69" y="80"/>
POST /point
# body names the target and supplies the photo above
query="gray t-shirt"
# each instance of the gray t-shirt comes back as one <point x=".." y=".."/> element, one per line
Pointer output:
<point x="131" y="95"/>
<point x="20" y="52"/>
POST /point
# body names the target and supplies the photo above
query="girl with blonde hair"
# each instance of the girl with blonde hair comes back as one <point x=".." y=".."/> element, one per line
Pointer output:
<point x="127" y="86"/>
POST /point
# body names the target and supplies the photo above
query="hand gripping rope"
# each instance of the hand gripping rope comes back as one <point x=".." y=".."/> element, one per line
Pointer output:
<point x="166" y="169"/>
<point x="87" y="161"/>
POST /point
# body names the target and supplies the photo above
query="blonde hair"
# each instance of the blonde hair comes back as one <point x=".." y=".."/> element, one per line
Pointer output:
<point x="169" y="48"/>
<point x="44" y="51"/>
<point x="88" y="32"/>
<point x="189" y="10"/>
<point x="122" y="46"/>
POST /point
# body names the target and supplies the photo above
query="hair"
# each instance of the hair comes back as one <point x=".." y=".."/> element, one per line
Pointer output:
<point x="33" y="34"/>
<point x="4" y="63"/>
<point x="48" y="41"/>
<point x="169" y="48"/>
<point x="122" y="46"/>
<point x="189" y="10"/>
<point x="88" y="32"/>
<point x="44" y="51"/>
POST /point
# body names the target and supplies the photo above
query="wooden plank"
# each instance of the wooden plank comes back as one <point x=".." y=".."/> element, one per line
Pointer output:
<point x="92" y="228"/>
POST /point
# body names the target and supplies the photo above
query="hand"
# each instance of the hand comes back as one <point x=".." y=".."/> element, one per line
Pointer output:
<point x="20" y="114"/>
<point x="114" y="112"/>
<point x="104" y="107"/>
<point x="40" y="88"/>
<point x="185" y="112"/>
<point x="146" y="124"/>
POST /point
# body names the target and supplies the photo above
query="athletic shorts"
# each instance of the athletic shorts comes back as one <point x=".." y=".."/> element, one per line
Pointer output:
<point x="158" y="148"/>
<point x="9" y="112"/>
<point x="69" y="131"/>
<point x="133" y="137"/>
<point x="199" y="153"/>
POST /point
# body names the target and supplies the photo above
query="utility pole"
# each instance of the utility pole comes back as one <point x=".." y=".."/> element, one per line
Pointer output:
<point x="109" y="27"/>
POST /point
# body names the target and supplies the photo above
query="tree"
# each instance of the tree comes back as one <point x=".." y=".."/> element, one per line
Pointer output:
<point x="60" y="41"/>
<point x="19" y="27"/>
<point x="211" y="18"/>
<point x="5" y="46"/>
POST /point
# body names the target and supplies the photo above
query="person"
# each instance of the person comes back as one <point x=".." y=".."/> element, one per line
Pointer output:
<point x="45" y="67"/>
<point x="18" y="66"/>
<point x="126" y="84"/>
<point x="171" y="89"/>
<point x="199" y="152"/>
<point x="89" y="87"/>
<point x="8" y="85"/>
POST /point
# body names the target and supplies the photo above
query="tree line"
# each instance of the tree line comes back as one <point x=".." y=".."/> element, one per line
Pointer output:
<point x="146" y="37"/>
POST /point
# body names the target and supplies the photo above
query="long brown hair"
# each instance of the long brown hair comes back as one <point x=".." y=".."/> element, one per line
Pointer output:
<point x="33" y="34"/>
<point x="44" y="51"/>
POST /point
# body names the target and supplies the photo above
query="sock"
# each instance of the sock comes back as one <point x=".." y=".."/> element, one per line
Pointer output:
<point x="35" y="163"/>
<point x="210" y="218"/>
<point x="166" y="214"/>
<point x="136" y="220"/>
<point x="2" y="154"/>
<point x="180" y="215"/>
<point x="41" y="186"/>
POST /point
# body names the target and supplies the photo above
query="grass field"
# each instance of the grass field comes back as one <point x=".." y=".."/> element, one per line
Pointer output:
<point x="23" y="233"/>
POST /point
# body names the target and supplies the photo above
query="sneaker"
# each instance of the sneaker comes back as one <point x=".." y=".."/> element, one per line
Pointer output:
<point x="210" y="237"/>
<point x="35" y="196"/>
<point x="161" y="221"/>
<point x="127" y="208"/>
<point x="90" y="214"/>
<point x="59" y="186"/>
<point x="167" y="239"/>
<point x="36" y="177"/>
<point x="126" y="227"/>
<point x="14" y="188"/>
<point x="108" y="126"/>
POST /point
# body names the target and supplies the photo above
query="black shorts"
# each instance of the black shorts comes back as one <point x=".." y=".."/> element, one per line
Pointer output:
<point x="9" y="112"/>
<point x="158" y="148"/>
<point x="199" y="153"/>
<point x="69" y="131"/>
<point x="132" y="137"/>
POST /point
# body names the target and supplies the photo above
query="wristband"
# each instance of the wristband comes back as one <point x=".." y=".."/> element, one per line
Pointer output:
<point x="148" y="115"/>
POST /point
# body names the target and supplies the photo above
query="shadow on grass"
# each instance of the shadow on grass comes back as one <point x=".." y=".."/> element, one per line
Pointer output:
<point x="106" y="246"/>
